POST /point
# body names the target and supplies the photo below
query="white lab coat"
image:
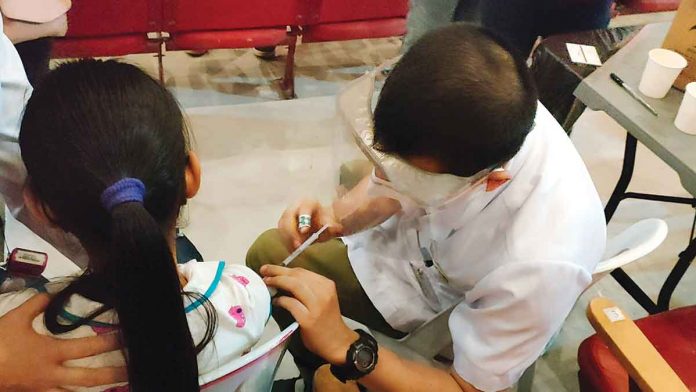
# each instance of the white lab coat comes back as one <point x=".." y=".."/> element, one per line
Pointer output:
<point x="15" y="91"/>
<point x="517" y="258"/>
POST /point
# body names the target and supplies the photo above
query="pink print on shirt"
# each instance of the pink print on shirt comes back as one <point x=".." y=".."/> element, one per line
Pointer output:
<point x="101" y="330"/>
<point x="238" y="314"/>
<point x="244" y="281"/>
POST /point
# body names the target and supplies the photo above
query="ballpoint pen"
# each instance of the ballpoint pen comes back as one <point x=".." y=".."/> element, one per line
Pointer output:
<point x="632" y="93"/>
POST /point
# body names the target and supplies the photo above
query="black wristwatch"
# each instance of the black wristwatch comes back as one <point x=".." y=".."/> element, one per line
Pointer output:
<point x="361" y="359"/>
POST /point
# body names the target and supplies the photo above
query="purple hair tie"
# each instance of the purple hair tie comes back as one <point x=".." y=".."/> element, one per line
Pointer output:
<point x="122" y="191"/>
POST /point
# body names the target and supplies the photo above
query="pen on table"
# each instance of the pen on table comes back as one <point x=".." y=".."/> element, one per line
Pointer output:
<point x="632" y="93"/>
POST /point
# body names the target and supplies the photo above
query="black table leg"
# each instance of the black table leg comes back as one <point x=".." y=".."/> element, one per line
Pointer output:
<point x="619" y="193"/>
<point x="625" y="178"/>
<point x="685" y="257"/>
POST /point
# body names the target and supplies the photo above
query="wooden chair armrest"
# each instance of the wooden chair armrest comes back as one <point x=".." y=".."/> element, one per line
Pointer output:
<point x="634" y="351"/>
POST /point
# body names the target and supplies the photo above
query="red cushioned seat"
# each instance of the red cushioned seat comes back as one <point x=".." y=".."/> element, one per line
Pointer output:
<point x="212" y="24"/>
<point x="673" y="334"/>
<point x="231" y="24"/>
<point x="110" y="28"/>
<point x="120" y="27"/>
<point x="646" y="6"/>
<point x="337" y="20"/>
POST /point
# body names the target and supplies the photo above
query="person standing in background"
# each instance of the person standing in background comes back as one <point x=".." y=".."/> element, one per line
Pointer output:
<point x="519" y="22"/>
<point x="426" y="15"/>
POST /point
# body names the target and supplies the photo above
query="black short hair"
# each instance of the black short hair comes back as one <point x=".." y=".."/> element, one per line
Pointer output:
<point x="460" y="95"/>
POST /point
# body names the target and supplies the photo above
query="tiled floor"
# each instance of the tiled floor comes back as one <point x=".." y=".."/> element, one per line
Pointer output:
<point x="262" y="155"/>
<point x="225" y="77"/>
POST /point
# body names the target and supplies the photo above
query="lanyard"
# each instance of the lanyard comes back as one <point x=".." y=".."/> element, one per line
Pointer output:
<point x="426" y="245"/>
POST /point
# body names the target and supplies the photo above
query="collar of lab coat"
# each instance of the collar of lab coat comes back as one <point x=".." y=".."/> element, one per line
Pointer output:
<point x="443" y="221"/>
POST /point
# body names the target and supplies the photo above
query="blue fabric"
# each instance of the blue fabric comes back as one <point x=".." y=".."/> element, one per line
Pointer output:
<point x="73" y="319"/>
<point x="426" y="15"/>
<point x="126" y="190"/>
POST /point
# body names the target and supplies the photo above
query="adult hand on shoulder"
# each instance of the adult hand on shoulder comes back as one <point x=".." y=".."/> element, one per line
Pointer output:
<point x="320" y="216"/>
<point x="314" y="304"/>
<point x="33" y="362"/>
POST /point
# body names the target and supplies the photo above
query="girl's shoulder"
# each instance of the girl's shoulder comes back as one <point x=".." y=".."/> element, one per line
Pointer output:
<point x="224" y="284"/>
<point x="205" y="276"/>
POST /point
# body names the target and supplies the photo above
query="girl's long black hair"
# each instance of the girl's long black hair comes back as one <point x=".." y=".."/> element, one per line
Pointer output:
<point x="87" y="125"/>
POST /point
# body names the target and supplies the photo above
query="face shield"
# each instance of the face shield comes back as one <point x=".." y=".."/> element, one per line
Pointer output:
<point x="390" y="176"/>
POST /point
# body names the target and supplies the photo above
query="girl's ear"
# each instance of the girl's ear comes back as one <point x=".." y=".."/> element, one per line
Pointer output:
<point x="37" y="209"/>
<point x="192" y="175"/>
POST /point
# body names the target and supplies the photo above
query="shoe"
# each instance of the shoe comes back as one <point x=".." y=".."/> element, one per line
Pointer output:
<point x="288" y="385"/>
<point x="197" y="53"/>
<point x="265" y="52"/>
<point x="324" y="381"/>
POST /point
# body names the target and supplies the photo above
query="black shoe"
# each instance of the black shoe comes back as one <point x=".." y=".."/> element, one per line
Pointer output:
<point x="265" y="52"/>
<point x="286" y="385"/>
<point x="197" y="53"/>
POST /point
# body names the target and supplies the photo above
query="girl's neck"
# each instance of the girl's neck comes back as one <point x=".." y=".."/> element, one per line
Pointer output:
<point x="171" y="239"/>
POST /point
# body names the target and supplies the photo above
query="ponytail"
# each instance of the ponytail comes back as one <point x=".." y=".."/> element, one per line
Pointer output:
<point x="147" y="298"/>
<point x="141" y="283"/>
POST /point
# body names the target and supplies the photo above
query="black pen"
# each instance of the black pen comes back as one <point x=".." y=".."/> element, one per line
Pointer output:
<point x="629" y="90"/>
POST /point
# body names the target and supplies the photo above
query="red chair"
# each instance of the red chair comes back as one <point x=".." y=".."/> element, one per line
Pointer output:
<point x="657" y="352"/>
<point x="340" y="20"/>
<point x="111" y="28"/>
<point x="213" y="24"/>
<point x="120" y="27"/>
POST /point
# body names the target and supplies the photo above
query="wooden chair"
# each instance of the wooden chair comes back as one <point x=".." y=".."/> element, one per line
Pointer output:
<point x="656" y="353"/>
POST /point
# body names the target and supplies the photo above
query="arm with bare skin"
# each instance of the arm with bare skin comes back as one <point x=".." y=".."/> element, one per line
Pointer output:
<point x="313" y="302"/>
<point x="353" y="212"/>
<point x="33" y="362"/>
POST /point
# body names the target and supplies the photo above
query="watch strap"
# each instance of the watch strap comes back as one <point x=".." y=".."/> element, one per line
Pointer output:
<point x="349" y="371"/>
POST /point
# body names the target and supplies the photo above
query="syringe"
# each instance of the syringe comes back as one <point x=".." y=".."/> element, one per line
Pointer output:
<point x="309" y="241"/>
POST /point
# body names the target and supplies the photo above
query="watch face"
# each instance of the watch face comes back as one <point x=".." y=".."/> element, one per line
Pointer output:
<point x="364" y="358"/>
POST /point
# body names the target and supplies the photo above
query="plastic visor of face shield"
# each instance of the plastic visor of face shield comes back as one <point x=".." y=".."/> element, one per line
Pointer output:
<point x="421" y="187"/>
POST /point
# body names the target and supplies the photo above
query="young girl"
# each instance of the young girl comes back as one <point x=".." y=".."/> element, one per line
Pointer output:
<point x="107" y="160"/>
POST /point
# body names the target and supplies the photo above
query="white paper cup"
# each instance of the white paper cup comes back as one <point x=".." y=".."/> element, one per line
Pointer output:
<point x="660" y="72"/>
<point x="686" y="116"/>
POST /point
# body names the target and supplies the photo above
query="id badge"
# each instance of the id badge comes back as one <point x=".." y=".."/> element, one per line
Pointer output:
<point x="426" y="286"/>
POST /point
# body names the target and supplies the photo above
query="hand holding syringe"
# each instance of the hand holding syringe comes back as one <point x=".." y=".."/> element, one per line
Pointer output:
<point x="309" y="241"/>
<point x="351" y="213"/>
<point x="306" y="244"/>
